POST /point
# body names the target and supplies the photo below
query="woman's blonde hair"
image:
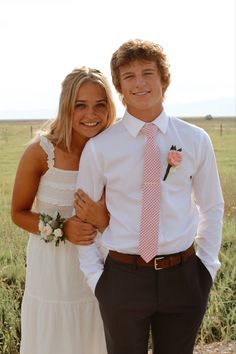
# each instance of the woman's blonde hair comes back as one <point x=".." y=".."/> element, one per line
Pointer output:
<point x="137" y="49"/>
<point x="59" y="131"/>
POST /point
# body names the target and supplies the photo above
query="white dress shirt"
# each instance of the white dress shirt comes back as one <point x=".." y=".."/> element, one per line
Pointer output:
<point x="191" y="196"/>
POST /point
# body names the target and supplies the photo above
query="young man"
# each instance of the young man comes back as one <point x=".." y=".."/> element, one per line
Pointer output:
<point x="152" y="277"/>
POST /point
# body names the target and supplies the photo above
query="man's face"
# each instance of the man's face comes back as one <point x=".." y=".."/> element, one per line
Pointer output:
<point x="141" y="88"/>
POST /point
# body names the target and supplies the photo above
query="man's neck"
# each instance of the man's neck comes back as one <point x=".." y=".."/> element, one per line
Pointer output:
<point x="145" y="115"/>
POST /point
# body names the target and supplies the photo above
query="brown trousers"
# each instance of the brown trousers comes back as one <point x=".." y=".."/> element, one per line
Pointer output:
<point x="170" y="302"/>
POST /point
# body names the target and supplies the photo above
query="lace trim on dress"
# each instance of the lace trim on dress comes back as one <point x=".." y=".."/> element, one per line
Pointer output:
<point x="48" y="147"/>
<point x="50" y="200"/>
<point x="57" y="185"/>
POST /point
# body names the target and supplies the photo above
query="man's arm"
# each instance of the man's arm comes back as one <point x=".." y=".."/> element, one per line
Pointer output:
<point x="208" y="197"/>
<point x="91" y="181"/>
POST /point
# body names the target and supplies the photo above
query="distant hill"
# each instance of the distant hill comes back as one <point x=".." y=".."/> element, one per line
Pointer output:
<point x="216" y="107"/>
<point x="225" y="106"/>
<point x="27" y="114"/>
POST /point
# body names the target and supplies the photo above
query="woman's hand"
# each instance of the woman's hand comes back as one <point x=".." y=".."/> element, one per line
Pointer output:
<point x="94" y="213"/>
<point x="79" y="232"/>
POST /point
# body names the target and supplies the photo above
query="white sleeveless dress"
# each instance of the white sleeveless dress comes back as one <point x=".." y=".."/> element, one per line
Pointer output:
<point x="59" y="315"/>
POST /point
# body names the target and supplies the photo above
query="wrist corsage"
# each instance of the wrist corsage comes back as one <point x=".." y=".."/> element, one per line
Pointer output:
<point x="51" y="228"/>
<point x="174" y="159"/>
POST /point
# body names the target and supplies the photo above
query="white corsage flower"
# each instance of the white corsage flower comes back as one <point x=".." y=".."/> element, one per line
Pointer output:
<point x="58" y="232"/>
<point x="41" y="225"/>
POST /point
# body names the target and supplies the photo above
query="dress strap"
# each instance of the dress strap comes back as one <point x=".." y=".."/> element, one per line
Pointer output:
<point x="48" y="147"/>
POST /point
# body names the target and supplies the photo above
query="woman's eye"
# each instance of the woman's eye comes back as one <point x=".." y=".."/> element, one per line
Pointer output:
<point x="101" y="105"/>
<point x="80" y="105"/>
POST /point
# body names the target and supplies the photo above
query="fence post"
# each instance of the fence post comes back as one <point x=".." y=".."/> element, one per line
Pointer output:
<point x="31" y="131"/>
<point x="221" y="129"/>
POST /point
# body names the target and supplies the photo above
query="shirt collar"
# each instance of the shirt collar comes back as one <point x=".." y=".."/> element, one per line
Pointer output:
<point x="134" y="125"/>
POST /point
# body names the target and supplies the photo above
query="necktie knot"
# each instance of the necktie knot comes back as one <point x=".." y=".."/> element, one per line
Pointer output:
<point x="149" y="130"/>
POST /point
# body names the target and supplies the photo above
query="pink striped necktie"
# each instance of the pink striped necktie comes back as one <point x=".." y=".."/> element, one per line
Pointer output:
<point x="150" y="215"/>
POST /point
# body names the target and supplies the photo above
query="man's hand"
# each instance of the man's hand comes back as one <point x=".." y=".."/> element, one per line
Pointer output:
<point x="79" y="232"/>
<point x="92" y="212"/>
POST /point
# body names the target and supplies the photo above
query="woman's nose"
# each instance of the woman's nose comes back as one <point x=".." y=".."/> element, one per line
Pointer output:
<point x="91" y="111"/>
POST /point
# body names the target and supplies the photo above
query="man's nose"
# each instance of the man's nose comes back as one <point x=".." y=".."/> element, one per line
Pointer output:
<point x="139" y="80"/>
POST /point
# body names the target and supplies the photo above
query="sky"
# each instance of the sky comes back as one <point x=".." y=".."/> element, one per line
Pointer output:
<point x="42" y="41"/>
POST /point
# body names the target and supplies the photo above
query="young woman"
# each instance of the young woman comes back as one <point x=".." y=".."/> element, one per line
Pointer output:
<point x="59" y="312"/>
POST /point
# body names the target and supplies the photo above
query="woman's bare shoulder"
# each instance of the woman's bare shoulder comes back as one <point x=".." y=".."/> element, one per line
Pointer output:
<point x="35" y="155"/>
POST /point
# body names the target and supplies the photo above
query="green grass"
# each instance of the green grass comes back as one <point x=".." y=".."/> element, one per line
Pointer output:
<point x="13" y="137"/>
<point x="219" y="321"/>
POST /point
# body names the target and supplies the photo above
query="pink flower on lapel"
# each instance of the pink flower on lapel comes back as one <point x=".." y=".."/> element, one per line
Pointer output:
<point x="174" y="159"/>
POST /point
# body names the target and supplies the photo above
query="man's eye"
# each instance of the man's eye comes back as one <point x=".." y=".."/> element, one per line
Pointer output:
<point x="128" y="77"/>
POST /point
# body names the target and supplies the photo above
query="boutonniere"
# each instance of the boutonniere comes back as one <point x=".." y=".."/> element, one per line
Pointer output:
<point x="174" y="159"/>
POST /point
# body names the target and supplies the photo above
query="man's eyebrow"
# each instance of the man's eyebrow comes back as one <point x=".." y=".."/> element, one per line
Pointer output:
<point x="126" y="73"/>
<point x="131" y="72"/>
<point x="149" y="69"/>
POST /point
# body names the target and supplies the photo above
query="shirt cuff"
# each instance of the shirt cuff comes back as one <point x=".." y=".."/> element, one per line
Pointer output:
<point x="212" y="268"/>
<point x="92" y="281"/>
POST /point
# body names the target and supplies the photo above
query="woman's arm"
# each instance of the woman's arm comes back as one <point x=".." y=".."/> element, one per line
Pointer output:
<point x="32" y="166"/>
<point x="87" y="210"/>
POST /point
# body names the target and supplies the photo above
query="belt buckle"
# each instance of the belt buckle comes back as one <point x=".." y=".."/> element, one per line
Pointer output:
<point x="156" y="259"/>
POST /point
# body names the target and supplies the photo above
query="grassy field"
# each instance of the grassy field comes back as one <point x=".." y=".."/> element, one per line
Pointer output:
<point x="219" y="322"/>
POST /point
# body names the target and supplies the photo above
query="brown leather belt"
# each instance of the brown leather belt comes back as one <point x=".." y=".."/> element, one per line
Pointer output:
<point x="159" y="262"/>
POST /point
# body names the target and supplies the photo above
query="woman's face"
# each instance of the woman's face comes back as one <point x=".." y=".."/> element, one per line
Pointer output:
<point x="91" y="110"/>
